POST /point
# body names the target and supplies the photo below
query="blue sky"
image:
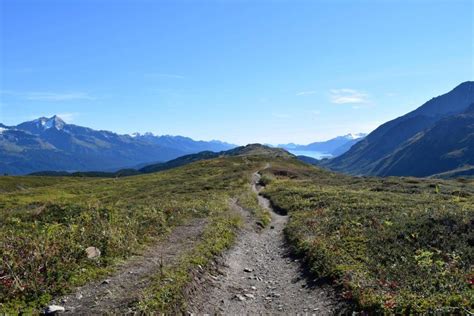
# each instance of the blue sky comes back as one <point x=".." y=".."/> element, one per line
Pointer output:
<point x="239" y="71"/>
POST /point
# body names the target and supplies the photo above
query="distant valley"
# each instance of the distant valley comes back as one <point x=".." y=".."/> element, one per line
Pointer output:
<point x="324" y="149"/>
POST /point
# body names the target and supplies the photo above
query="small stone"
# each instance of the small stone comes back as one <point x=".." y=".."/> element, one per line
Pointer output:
<point x="315" y="309"/>
<point x="79" y="296"/>
<point x="248" y="270"/>
<point x="253" y="288"/>
<point x="92" y="252"/>
<point x="106" y="281"/>
<point x="272" y="227"/>
<point x="53" y="309"/>
<point x="240" y="297"/>
<point x="251" y="296"/>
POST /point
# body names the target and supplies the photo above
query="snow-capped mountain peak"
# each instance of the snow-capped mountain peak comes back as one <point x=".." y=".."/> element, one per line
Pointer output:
<point x="47" y="123"/>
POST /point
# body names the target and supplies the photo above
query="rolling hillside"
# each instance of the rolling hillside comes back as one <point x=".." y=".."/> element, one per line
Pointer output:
<point x="393" y="245"/>
<point x="252" y="150"/>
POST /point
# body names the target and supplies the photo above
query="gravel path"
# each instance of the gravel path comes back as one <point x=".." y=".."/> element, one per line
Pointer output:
<point x="258" y="277"/>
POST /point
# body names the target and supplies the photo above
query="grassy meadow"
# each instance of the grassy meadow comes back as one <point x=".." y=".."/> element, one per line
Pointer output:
<point x="401" y="245"/>
<point x="47" y="222"/>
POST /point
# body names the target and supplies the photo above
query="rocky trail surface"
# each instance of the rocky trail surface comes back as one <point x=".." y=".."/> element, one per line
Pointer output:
<point x="257" y="276"/>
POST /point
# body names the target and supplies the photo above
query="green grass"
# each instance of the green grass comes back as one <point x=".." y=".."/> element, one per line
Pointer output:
<point x="393" y="245"/>
<point x="47" y="223"/>
<point x="249" y="201"/>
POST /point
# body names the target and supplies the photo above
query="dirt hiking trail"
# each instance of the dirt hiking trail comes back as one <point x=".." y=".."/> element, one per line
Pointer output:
<point x="257" y="276"/>
<point x="119" y="293"/>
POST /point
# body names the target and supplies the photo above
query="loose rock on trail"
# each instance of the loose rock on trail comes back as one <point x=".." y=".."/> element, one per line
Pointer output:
<point x="257" y="276"/>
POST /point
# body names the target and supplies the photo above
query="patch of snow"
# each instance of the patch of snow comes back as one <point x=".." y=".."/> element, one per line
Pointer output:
<point x="354" y="135"/>
<point x="40" y="122"/>
<point x="3" y="129"/>
<point x="48" y="124"/>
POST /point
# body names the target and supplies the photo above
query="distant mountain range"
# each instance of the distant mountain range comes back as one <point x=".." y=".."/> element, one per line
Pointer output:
<point x="51" y="144"/>
<point x="436" y="138"/>
<point x="333" y="147"/>
<point x="251" y="149"/>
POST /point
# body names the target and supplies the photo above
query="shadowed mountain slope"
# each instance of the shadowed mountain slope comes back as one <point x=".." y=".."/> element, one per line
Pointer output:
<point x="373" y="154"/>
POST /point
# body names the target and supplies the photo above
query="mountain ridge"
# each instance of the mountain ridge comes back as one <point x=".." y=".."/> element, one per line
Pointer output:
<point x="51" y="144"/>
<point x="365" y="157"/>
<point x="247" y="150"/>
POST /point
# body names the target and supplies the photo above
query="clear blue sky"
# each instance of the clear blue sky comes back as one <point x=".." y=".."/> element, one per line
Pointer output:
<point x="239" y="71"/>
